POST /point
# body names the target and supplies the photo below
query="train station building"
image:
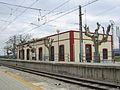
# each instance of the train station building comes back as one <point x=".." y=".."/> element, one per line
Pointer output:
<point x="65" y="47"/>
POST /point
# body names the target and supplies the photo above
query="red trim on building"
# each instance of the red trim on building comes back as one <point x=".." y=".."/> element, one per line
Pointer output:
<point x="56" y="35"/>
<point x="71" y="46"/>
<point x="90" y="39"/>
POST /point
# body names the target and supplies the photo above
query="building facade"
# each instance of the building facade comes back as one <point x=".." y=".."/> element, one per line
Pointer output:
<point x="64" y="47"/>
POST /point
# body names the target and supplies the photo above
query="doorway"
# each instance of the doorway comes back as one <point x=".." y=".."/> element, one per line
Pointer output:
<point x="28" y="54"/>
<point x="88" y="52"/>
<point x="40" y="53"/>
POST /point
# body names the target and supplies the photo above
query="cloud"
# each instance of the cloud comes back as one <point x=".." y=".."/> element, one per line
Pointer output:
<point x="101" y="11"/>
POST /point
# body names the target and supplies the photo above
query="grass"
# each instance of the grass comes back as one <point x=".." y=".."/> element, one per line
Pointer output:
<point x="117" y="58"/>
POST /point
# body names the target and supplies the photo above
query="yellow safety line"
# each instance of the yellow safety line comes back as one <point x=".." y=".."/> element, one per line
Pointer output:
<point x="21" y="80"/>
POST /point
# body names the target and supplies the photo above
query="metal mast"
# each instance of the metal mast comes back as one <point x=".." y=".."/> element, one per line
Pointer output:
<point x="81" y="36"/>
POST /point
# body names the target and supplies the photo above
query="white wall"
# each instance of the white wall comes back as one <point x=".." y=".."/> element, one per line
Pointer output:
<point x="64" y="39"/>
<point x="87" y="40"/>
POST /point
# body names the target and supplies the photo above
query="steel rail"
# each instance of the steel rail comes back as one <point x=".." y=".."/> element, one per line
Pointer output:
<point x="97" y="85"/>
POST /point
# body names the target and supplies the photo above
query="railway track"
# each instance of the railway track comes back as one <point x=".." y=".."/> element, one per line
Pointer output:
<point x="96" y="85"/>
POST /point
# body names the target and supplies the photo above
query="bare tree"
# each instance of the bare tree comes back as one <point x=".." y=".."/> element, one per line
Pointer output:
<point x="48" y="43"/>
<point x="95" y="38"/>
<point x="13" y="41"/>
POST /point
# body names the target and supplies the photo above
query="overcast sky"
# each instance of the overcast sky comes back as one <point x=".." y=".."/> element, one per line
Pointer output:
<point x="17" y="20"/>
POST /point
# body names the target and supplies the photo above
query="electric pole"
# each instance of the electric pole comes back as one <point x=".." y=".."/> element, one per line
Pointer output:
<point x="14" y="46"/>
<point x="81" y="36"/>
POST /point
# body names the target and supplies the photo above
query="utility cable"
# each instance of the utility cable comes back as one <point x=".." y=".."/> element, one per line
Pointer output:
<point x="19" y="15"/>
<point x="21" y="6"/>
<point x="56" y="8"/>
<point x="11" y="14"/>
<point x="62" y="15"/>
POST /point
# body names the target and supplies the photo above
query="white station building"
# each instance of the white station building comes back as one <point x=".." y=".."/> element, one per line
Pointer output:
<point x="65" y="47"/>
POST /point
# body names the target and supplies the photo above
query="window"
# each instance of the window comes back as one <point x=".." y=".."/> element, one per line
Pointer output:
<point x="52" y="53"/>
<point x="22" y="54"/>
<point x="40" y="53"/>
<point x="33" y="50"/>
<point x="61" y="53"/>
<point x="105" y="54"/>
<point x="88" y="52"/>
<point x="19" y="54"/>
<point x="28" y="54"/>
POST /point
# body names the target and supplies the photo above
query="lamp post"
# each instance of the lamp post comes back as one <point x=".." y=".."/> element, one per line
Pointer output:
<point x="58" y="31"/>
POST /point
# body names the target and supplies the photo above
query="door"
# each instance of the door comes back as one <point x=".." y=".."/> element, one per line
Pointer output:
<point x="61" y="53"/>
<point x="105" y="54"/>
<point x="28" y="54"/>
<point x="88" y="52"/>
<point x="52" y="53"/>
<point x="22" y="54"/>
<point x="40" y="53"/>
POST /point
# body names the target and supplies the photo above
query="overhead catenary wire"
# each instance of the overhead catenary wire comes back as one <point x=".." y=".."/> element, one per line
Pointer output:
<point x="19" y="15"/>
<point x="18" y="7"/>
<point x="75" y="9"/>
<point x="30" y="8"/>
<point x="58" y="17"/>
<point x="21" y="6"/>
<point x="37" y="26"/>
<point x="11" y="14"/>
<point x="106" y="11"/>
<point x="56" y="8"/>
<point x="38" y="9"/>
<point x="51" y="12"/>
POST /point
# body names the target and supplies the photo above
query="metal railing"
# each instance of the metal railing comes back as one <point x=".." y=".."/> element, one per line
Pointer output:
<point x="90" y="58"/>
<point x="54" y="57"/>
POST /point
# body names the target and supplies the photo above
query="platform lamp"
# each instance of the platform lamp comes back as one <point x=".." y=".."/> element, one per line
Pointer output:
<point x="58" y="31"/>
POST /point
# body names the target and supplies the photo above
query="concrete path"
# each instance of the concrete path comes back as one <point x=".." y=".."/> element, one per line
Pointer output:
<point x="9" y="81"/>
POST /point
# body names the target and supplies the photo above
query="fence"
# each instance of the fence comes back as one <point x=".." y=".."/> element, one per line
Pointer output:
<point x="56" y="57"/>
<point x="104" y="57"/>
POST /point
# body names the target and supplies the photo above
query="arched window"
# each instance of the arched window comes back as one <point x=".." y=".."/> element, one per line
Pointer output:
<point x="22" y="54"/>
<point x="28" y="54"/>
<point x="40" y="53"/>
<point x="52" y="53"/>
<point x="88" y="52"/>
<point x="105" y="53"/>
<point x="61" y="53"/>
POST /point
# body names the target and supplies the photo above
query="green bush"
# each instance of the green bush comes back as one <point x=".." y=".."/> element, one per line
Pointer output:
<point x="117" y="58"/>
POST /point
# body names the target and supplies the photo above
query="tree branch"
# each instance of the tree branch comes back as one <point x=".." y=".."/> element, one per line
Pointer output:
<point x="104" y="39"/>
<point x="87" y="32"/>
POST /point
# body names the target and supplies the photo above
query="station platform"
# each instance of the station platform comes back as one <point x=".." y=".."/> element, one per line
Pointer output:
<point x="10" y="81"/>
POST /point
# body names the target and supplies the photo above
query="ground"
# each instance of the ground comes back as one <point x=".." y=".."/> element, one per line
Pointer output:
<point x="44" y="82"/>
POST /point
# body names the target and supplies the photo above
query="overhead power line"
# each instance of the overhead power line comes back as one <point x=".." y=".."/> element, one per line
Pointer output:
<point x="11" y="13"/>
<point x="89" y="3"/>
<point x="58" y="17"/>
<point x="38" y="26"/>
<point x="21" y="6"/>
<point x="4" y="20"/>
<point x="62" y="15"/>
<point x="19" y="15"/>
<point x="18" y="7"/>
<point x="57" y="7"/>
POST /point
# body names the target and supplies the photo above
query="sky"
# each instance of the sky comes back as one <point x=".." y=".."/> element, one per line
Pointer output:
<point x="16" y="20"/>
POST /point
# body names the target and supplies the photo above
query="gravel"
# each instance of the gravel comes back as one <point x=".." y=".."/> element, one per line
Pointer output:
<point x="44" y="82"/>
